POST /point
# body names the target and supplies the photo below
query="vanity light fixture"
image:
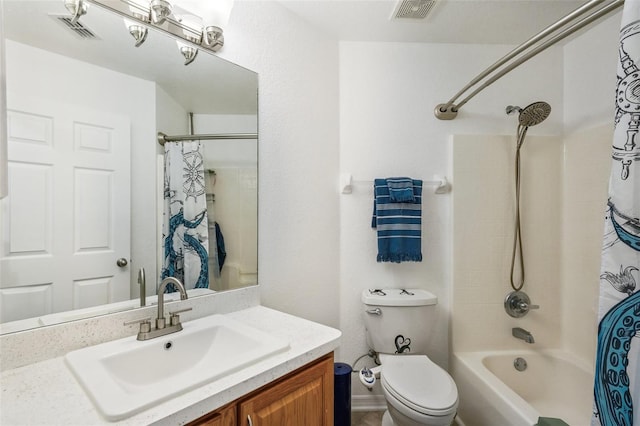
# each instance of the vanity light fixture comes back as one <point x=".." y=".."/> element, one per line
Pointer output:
<point x="189" y="52"/>
<point x="216" y="17"/>
<point x="213" y="37"/>
<point x="192" y="31"/>
<point x="77" y="8"/>
<point x="160" y="11"/>
<point x="138" y="31"/>
<point x="200" y="27"/>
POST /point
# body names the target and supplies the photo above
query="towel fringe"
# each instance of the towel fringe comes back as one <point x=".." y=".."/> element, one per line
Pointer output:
<point x="398" y="258"/>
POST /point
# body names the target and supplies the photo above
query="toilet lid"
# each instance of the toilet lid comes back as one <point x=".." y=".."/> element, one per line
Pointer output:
<point x="420" y="384"/>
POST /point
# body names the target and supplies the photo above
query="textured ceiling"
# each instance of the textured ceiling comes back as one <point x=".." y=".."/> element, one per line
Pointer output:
<point x="449" y="21"/>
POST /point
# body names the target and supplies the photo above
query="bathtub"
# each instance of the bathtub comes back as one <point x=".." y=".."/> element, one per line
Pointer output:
<point x="493" y="393"/>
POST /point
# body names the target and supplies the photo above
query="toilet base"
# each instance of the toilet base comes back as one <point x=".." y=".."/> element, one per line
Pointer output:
<point x="387" y="420"/>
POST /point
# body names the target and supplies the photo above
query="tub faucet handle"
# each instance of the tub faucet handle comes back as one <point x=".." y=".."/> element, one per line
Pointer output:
<point x="527" y="307"/>
<point x="517" y="304"/>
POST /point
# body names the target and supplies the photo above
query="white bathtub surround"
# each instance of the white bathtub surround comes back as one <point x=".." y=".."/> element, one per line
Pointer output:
<point x="483" y="221"/>
<point x="586" y="166"/>
<point x="563" y="198"/>
<point x="36" y="393"/>
<point x="555" y="384"/>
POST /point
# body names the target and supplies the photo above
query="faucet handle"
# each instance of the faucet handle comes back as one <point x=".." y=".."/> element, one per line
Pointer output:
<point x="517" y="304"/>
<point x="174" y="318"/>
<point x="145" y="324"/>
<point x="526" y="307"/>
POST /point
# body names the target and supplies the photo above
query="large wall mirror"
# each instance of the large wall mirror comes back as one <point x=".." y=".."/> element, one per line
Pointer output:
<point x="84" y="212"/>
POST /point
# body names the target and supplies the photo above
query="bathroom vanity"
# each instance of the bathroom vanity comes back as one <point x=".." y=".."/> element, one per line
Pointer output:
<point x="295" y="382"/>
<point x="303" y="397"/>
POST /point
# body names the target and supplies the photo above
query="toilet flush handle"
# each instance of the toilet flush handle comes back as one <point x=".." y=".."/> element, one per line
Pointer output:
<point x="376" y="311"/>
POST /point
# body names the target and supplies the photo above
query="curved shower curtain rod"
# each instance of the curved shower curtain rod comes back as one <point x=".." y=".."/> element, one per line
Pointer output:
<point x="449" y="110"/>
<point x="162" y="138"/>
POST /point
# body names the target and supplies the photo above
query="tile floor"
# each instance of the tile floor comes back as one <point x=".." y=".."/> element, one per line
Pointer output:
<point x="373" y="418"/>
<point x="366" y="418"/>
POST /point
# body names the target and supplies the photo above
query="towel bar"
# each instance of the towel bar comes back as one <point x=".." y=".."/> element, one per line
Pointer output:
<point x="441" y="184"/>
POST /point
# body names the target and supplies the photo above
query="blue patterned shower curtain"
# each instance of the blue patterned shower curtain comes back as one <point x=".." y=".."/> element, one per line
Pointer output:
<point x="617" y="370"/>
<point x="184" y="228"/>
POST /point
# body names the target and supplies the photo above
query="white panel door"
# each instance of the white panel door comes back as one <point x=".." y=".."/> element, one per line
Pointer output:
<point x="66" y="220"/>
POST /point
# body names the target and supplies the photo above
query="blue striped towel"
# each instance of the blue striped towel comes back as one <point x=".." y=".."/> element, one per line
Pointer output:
<point x="399" y="225"/>
<point x="400" y="190"/>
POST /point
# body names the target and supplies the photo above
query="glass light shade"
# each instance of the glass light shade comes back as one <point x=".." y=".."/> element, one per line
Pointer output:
<point x="188" y="52"/>
<point x="139" y="7"/>
<point x="217" y="13"/>
<point x="138" y="32"/>
<point x="214" y="12"/>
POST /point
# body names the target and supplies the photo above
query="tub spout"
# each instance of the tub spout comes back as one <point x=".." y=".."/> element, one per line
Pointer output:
<point x="521" y="333"/>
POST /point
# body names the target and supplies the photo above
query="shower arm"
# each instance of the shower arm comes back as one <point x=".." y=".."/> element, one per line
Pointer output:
<point x="449" y="110"/>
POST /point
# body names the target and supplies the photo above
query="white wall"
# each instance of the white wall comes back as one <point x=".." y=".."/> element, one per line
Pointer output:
<point x="388" y="93"/>
<point x="298" y="151"/>
<point x="590" y="76"/>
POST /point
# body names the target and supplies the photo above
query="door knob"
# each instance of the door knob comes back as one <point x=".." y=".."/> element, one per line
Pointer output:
<point x="122" y="262"/>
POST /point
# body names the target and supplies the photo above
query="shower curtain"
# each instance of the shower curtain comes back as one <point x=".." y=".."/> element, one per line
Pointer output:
<point x="185" y="235"/>
<point x="213" y="264"/>
<point x="617" y="369"/>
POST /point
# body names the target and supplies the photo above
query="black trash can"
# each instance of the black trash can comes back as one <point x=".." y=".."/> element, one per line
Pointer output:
<point x="341" y="394"/>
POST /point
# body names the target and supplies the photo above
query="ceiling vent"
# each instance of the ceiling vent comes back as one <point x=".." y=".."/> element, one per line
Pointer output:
<point x="77" y="29"/>
<point x="412" y="9"/>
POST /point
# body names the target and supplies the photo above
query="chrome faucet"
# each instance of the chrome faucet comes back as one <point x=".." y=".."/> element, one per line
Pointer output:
<point x="521" y="333"/>
<point x="143" y="287"/>
<point x="161" y="321"/>
<point x="162" y="328"/>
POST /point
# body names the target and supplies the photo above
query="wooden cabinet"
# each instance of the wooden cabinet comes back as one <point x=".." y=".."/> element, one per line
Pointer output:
<point x="303" y="397"/>
<point x="225" y="416"/>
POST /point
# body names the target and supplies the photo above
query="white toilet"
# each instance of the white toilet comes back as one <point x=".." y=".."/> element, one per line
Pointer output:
<point x="399" y="324"/>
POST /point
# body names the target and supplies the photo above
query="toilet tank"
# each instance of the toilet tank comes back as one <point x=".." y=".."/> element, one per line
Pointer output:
<point x="399" y="320"/>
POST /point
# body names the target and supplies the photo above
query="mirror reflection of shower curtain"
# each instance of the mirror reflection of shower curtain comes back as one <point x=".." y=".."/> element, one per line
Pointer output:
<point x="617" y="369"/>
<point x="214" y="266"/>
<point x="184" y="229"/>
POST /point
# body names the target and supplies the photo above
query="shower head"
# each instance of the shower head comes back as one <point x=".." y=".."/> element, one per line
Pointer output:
<point x="534" y="114"/>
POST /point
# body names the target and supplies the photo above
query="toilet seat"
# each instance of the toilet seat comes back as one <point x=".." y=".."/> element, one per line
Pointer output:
<point x="419" y="384"/>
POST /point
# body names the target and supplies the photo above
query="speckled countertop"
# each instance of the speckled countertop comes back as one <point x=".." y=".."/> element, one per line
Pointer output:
<point x="46" y="393"/>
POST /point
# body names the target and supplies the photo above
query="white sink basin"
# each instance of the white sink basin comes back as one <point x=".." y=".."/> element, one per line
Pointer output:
<point x="126" y="376"/>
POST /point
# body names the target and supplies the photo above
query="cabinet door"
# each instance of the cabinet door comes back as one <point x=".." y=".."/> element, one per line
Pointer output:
<point x="306" y="398"/>
<point x="222" y="417"/>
